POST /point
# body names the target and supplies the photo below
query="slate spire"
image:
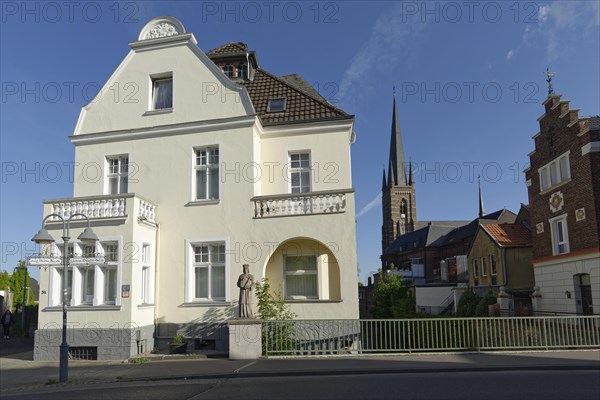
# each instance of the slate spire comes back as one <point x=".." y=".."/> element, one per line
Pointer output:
<point x="384" y="183"/>
<point x="397" y="164"/>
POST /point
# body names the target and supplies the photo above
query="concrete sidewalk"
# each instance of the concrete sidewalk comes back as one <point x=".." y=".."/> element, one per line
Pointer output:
<point x="18" y="373"/>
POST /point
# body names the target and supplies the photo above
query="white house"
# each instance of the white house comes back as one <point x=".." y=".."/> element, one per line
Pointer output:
<point x="204" y="162"/>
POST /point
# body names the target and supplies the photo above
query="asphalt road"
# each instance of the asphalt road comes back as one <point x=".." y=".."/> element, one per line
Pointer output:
<point x="529" y="385"/>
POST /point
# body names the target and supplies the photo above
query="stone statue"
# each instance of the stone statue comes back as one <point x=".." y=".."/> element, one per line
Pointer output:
<point x="246" y="284"/>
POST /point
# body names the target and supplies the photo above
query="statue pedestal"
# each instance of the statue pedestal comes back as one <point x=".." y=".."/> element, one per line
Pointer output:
<point x="245" y="339"/>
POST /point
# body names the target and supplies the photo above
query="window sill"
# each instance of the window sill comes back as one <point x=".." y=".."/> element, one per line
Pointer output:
<point x="553" y="188"/>
<point x="202" y="203"/>
<point x="158" y="112"/>
<point x="206" y="304"/>
<point x="103" y="307"/>
<point x="145" y="305"/>
<point x="311" y="301"/>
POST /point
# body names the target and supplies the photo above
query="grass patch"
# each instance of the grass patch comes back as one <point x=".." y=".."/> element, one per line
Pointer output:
<point x="51" y="382"/>
<point x="139" y="360"/>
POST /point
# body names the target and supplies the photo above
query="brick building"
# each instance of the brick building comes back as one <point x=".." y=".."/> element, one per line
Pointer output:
<point x="563" y="183"/>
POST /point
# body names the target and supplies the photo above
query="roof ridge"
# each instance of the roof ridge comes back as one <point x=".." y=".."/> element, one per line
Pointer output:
<point x="236" y="44"/>
<point x="282" y="81"/>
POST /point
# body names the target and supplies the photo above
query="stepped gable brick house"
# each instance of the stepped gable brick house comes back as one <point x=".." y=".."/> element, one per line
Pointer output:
<point x="213" y="169"/>
<point x="563" y="183"/>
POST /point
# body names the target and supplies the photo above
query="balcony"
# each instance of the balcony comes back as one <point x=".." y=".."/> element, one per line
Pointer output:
<point x="312" y="203"/>
<point x="118" y="206"/>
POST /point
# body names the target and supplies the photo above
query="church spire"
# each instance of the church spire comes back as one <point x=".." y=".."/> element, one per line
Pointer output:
<point x="481" y="211"/>
<point x="397" y="164"/>
<point x="384" y="183"/>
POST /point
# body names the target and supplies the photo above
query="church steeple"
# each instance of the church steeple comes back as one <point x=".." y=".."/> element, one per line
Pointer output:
<point x="397" y="163"/>
<point x="398" y="200"/>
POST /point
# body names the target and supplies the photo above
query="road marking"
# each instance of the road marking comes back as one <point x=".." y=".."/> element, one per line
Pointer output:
<point x="245" y="366"/>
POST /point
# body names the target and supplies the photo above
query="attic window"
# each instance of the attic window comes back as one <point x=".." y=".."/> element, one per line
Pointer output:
<point x="276" y="105"/>
<point x="162" y="93"/>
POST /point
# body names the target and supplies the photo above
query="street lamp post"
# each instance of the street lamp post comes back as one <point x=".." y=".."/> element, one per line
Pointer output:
<point x="43" y="237"/>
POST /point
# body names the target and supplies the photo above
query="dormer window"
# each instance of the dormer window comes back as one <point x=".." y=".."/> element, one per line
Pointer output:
<point x="276" y="105"/>
<point x="228" y="70"/>
<point x="242" y="71"/>
<point x="162" y="93"/>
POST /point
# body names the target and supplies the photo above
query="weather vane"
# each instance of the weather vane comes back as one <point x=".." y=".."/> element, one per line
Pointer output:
<point x="549" y="75"/>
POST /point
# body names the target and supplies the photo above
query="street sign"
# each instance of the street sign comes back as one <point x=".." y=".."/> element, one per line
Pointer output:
<point x="35" y="261"/>
<point x="87" y="260"/>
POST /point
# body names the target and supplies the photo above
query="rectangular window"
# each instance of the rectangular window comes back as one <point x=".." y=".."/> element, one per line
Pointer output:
<point x="209" y="271"/>
<point x="110" y="285"/>
<point x="206" y="167"/>
<point x="110" y="252"/>
<point x="555" y="172"/>
<point x="162" y="93"/>
<point x="276" y="105"/>
<point x="483" y="267"/>
<point x="475" y="269"/>
<point x="301" y="277"/>
<point x="300" y="172"/>
<point x="117" y="176"/>
<point x="493" y="264"/>
<point x="87" y="293"/>
<point x="146" y="294"/>
<point x="68" y="285"/>
<point x="560" y="237"/>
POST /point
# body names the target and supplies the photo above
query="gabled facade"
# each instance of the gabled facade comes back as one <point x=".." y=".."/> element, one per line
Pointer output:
<point x="218" y="164"/>
<point x="500" y="257"/>
<point x="563" y="183"/>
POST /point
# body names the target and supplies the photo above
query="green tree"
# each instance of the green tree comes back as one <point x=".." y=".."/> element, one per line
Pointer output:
<point x="392" y="298"/>
<point x="4" y="280"/>
<point x="271" y="306"/>
<point x="482" y="309"/>
<point x="467" y="304"/>
<point x="16" y="284"/>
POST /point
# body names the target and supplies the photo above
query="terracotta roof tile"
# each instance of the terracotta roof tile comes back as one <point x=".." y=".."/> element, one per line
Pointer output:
<point x="301" y="106"/>
<point x="229" y="48"/>
<point x="507" y="235"/>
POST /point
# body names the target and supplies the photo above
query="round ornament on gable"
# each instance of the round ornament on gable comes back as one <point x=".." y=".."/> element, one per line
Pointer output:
<point x="161" y="27"/>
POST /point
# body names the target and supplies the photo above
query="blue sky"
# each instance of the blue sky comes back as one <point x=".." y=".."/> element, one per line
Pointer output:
<point x="468" y="75"/>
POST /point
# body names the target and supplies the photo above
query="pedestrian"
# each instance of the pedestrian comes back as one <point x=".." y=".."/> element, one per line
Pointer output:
<point x="7" y="318"/>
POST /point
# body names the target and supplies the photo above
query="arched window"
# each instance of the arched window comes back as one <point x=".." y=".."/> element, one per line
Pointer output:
<point x="403" y="208"/>
<point x="228" y="70"/>
<point x="242" y="71"/>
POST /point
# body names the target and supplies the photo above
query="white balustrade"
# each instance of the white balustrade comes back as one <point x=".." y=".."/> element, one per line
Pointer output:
<point x="147" y="211"/>
<point x="100" y="208"/>
<point x="300" y="204"/>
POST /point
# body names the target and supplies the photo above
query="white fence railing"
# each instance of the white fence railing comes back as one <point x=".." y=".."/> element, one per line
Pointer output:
<point x="306" y="337"/>
<point x="92" y="208"/>
<point x="325" y="202"/>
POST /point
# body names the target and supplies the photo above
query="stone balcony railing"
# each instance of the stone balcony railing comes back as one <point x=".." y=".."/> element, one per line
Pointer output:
<point x="325" y="202"/>
<point x="104" y="206"/>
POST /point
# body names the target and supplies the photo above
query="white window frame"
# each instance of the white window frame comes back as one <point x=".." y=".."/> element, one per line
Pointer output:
<point x="121" y="162"/>
<point x="241" y="68"/>
<point x="299" y="170"/>
<point x="562" y="219"/>
<point x="190" y="275"/>
<point x="152" y="92"/>
<point x="315" y="272"/>
<point x="562" y="169"/>
<point x="111" y="264"/>
<point x="147" y="275"/>
<point x="270" y="102"/>
<point x="229" y="70"/>
<point x="211" y="165"/>
<point x="483" y="267"/>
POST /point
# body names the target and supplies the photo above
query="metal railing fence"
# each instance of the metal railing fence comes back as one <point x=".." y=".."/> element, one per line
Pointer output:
<point x="331" y="337"/>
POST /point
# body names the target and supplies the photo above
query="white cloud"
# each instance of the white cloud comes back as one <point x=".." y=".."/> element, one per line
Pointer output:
<point x="393" y="35"/>
<point x="562" y="23"/>
<point x="510" y="55"/>
<point x="372" y="204"/>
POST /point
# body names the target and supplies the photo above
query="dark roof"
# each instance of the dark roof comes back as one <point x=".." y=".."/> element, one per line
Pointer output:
<point x="299" y="82"/>
<point x="509" y="235"/>
<point x="594" y="122"/>
<point x="417" y="239"/>
<point x="229" y="48"/>
<point x="301" y="106"/>
<point x="500" y="216"/>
